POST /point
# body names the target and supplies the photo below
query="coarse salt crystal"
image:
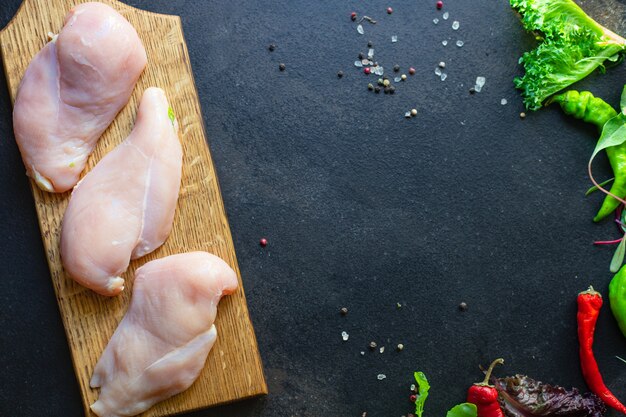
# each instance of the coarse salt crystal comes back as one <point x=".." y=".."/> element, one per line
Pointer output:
<point x="443" y="76"/>
<point x="446" y="15"/>
<point x="444" y="42"/>
<point x="455" y="25"/>
<point x="381" y="377"/>
<point x="435" y="21"/>
<point x="358" y="64"/>
<point x="503" y="101"/>
<point x="394" y="39"/>
<point x="360" y="29"/>
<point x="344" y="336"/>
<point x="370" y="53"/>
<point x="382" y="348"/>
<point x="480" y="81"/>
<point x="407" y="115"/>
<point x="438" y="71"/>
<point x="460" y="43"/>
<point x="397" y="79"/>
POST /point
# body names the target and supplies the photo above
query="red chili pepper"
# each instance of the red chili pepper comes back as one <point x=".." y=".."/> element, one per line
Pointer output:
<point x="485" y="396"/>
<point x="589" y="304"/>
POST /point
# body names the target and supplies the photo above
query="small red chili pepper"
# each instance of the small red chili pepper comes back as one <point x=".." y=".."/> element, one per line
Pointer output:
<point x="439" y="5"/>
<point x="485" y="396"/>
<point x="589" y="304"/>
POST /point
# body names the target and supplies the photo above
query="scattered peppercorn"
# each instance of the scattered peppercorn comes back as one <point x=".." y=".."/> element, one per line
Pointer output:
<point x="396" y="68"/>
<point x="392" y="89"/>
<point x="472" y="90"/>
<point x="439" y="5"/>
<point x="380" y="81"/>
<point x="386" y="90"/>
<point x="370" y="87"/>
<point x="281" y="66"/>
<point x="389" y="10"/>
<point x="463" y="306"/>
<point x="263" y="242"/>
<point x="413" y="112"/>
<point x="411" y="70"/>
<point x="377" y="90"/>
<point x="412" y="398"/>
<point x="407" y="115"/>
<point x="372" y="345"/>
<point x="522" y="115"/>
<point x="400" y="347"/>
<point x="442" y="65"/>
<point x="386" y="83"/>
<point x="340" y="74"/>
<point x="370" y="44"/>
<point x="367" y="70"/>
<point x="353" y="16"/>
<point x="361" y="56"/>
<point x="272" y="47"/>
<point x="343" y="311"/>
<point x="403" y="77"/>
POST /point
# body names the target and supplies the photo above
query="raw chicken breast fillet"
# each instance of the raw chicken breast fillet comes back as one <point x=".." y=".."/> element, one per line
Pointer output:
<point x="161" y="344"/>
<point x="72" y="90"/>
<point x="124" y="207"/>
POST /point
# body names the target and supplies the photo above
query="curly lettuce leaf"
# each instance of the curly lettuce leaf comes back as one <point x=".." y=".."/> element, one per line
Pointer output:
<point x="423" y="387"/>
<point x="522" y="396"/>
<point x="572" y="45"/>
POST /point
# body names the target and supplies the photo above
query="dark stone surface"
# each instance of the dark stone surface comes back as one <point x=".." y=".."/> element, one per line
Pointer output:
<point x="363" y="209"/>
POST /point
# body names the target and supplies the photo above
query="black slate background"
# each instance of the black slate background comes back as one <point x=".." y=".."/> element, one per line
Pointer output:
<point x="363" y="209"/>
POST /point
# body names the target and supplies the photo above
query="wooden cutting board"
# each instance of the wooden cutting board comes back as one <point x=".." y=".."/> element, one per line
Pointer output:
<point x="233" y="369"/>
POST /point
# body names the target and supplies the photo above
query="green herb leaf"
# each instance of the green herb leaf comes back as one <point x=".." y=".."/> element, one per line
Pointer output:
<point x="618" y="256"/>
<point x="622" y="101"/>
<point x="595" y="187"/>
<point x="171" y="115"/>
<point x="463" y="410"/>
<point x="423" y="387"/>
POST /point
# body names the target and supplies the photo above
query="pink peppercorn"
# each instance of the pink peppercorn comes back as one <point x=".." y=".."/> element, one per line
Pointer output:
<point x="263" y="242"/>
<point x="412" y="398"/>
<point x="411" y="70"/>
<point x="439" y="5"/>
<point x="366" y="70"/>
<point x="389" y="10"/>
<point x="353" y="15"/>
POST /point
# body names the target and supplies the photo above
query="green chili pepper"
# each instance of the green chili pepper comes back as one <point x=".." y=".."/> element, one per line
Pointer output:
<point x="583" y="105"/>
<point x="617" y="297"/>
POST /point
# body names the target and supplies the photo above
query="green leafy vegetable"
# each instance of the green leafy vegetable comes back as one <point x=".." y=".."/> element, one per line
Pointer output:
<point x="463" y="410"/>
<point x="423" y="387"/>
<point x="572" y="45"/>
<point x="618" y="257"/>
<point x="171" y="115"/>
<point x="522" y="396"/>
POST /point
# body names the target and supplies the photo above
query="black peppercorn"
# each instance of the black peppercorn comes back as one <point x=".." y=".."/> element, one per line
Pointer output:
<point x="271" y="47"/>
<point x="281" y="66"/>
<point x="396" y="68"/>
<point x="340" y="74"/>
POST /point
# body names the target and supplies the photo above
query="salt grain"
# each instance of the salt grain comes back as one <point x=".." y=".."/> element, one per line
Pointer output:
<point x="370" y="53"/>
<point x="444" y="42"/>
<point x="480" y="81"/>
<point x="455" y="25"/>
<point x="360" y="29"/>
<point x="443" y="76"/>
<point x="438" y="71"/>
<point x="503" y="101"/>
<point x="358" y="64"/>
<point x="397" y="79"/>
<point x="381" y="377"/>
<point x="394" y="39"/>
<point x="459" y="43"/>
<point x="345" y="336"/>
<point x="407" y="115"/>
<point x="382" y="349"/>
<point x="446" y="15"/>
<point x="435" y="21"/>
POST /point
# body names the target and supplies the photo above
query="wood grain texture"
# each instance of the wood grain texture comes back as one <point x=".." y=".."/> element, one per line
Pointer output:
<point x="233" y="369"/>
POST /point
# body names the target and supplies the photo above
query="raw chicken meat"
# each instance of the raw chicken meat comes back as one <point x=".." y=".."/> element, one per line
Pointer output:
<point x="124" y="207"/>
<point x="72" y="90"/>
<point x="161" y="344"/>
